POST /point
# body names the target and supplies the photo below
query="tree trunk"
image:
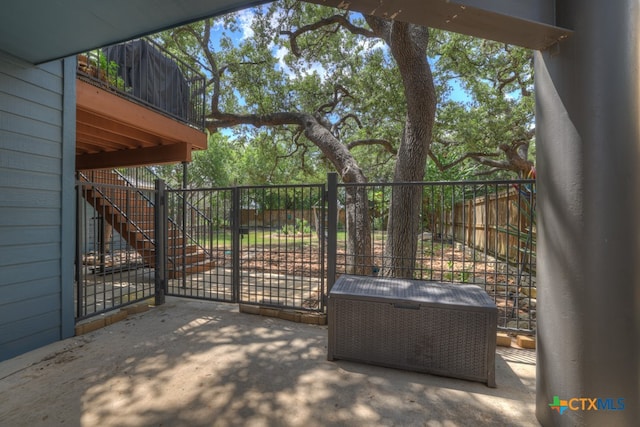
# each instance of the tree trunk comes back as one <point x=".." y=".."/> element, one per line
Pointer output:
<point x="408" y="45"/>
<point x="359" y="257"/>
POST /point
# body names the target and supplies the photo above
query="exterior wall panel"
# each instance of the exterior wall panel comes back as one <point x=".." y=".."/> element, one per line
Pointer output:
<point x="36" y="171"/>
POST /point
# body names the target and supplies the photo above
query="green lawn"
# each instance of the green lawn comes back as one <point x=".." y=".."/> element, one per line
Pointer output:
<point x="263" y="238"/>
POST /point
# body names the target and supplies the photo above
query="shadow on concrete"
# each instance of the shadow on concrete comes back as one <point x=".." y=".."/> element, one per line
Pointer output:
<point x="193" y="363"/>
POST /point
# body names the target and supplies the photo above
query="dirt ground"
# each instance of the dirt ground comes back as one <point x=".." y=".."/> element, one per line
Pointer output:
<point x="512" y="289"/>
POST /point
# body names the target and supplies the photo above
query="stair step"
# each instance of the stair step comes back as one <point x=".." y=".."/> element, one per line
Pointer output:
<point x="176" y="251"/>
<point x="188" y="258"/>
<point x="171" y="234"/>
<point x="199" y="267"/>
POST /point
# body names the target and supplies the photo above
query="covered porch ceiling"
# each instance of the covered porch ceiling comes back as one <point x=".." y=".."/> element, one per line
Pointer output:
<point x="38" y="31"/>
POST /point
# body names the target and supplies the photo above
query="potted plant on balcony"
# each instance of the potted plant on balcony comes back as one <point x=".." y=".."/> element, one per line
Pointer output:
<point x="96" y="65"/>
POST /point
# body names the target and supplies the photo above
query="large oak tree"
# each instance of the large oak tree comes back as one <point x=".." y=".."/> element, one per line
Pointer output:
<point x="352" y="91"/>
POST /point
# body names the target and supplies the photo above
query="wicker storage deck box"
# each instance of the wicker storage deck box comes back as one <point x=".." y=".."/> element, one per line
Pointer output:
<point x="439" y="328"/>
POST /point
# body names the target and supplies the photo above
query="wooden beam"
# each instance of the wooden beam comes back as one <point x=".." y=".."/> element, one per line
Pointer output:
<point x="119" y="132"/>
<point x="98" y="140"/>
<point x="86" y="145"/>
<point x="135" y="157"/>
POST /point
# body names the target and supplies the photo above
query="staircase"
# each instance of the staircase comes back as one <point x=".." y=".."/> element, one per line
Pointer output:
<point x="131" y="213"/>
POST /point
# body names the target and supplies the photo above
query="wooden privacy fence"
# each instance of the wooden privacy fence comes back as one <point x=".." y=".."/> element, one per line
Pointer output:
<point x="501" y="224"/>
<point x="277" y="218"/>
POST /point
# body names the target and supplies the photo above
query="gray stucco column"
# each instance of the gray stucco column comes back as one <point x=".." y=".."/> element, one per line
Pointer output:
<point x="588" y="161"/>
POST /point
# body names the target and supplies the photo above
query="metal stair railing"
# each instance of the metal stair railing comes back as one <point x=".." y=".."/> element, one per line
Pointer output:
<point x="122" y="211"/>
<point x="148" y="172"/>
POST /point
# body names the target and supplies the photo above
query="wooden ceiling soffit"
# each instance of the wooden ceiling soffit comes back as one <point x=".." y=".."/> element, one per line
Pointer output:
<point x="135" y="157"/>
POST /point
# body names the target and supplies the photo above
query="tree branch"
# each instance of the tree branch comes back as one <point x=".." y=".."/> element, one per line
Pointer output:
<point x="203" y="42"/>
<point x="225" y="67"/>
<point x="333" y="149"/>
<point x="339" y="20"/>
<point x="338" y="89"/>
<point x="381" y="142"/>
<point x="217" y="120"/>
<point x="497" y="164"/>
<point x="337" y="126"/>
<point x="488" y="172"/>
<point x="479" y="157"/>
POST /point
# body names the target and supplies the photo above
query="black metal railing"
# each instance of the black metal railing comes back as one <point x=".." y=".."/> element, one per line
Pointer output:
<point x="142" y="71"/>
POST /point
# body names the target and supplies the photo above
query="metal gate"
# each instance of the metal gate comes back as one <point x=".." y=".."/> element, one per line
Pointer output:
<point x="262" y="245"/>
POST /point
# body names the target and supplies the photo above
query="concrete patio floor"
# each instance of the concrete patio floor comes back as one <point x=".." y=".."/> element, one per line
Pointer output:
<point x="196" y="363"/>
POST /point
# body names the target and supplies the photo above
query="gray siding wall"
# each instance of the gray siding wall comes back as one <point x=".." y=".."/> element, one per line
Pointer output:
<point x="37" y="144"/>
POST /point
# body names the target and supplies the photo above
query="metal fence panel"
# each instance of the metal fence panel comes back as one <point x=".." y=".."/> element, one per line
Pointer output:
<point x="282" y="246"/>
<point x="115" y="250"/>
<point x="255" y="245"/>
<point x="481" y="233"/>
<point x="200" y="244"/>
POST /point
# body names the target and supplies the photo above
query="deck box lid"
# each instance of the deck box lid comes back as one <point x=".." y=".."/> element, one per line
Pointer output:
<point x="395" y="290"/>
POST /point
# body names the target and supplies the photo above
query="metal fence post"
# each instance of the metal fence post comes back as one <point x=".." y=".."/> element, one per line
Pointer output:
<point x="185" y="183"/>
<point x="160" y="213"/>
<point x="80" y="223"/>
<point x="235" y="243"/>
<point x="332" y="228"/>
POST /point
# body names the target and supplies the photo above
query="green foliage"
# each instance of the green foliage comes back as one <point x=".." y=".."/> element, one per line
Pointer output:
<point x="213" y="167"/>
<point x="301" y="226"/>
<point x="219" y="223"/>
<point x="269" y="157"/>
<point x="276" y="198"/>
<point x="260" y="74"/>
<point x="98" y="65"/>
<point x="497" y="109"/>
<point x="484" y="91"/>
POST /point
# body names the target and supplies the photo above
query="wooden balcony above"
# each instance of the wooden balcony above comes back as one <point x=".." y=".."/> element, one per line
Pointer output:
<point x="112" y="131"/>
